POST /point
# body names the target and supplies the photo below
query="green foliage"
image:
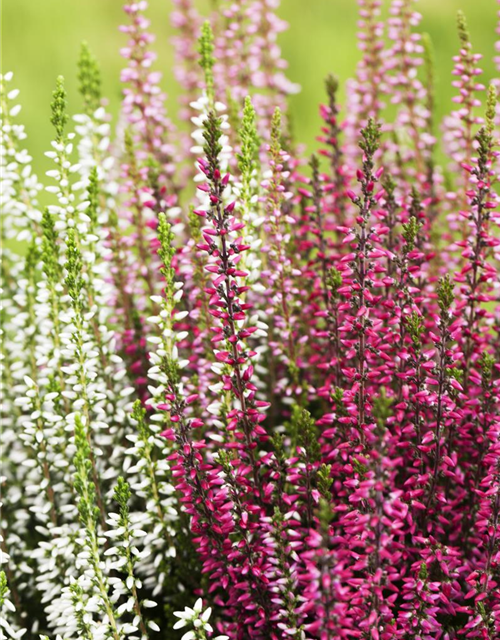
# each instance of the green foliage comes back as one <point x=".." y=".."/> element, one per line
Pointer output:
<point x="359" y="467"/>
<point x="276" y="132"/>
<point x="249" y="138"/>
<point x="122" y="495"/>
<point x="325" y="481"/>
<point x="32" y="258"/>
<point x="423" y="573"/>
<point x="491" y="106"/>
<point x="463" y="31"/>
<point x="89" y="514"/>
<point x="74" y="281"/>
<point x="457" y="374"/>
<point x="370" y="138"/>
<point x="207" y="60"/>
<point x="333" y="281"/>
<point x="278" y="444"/>
<point x="415" y="328"/>
<point x="316" y="189"/>
<point x="325" y="514"/>
<point x="3" y="588"/>
<point x="154" y="172"/>
<point x="247" y="158"/>
<point x="50" y="248"/>
<point x="415" y="203"/>
<point x="170" y="368"/>
<point x="166" y="252"/>
<point x="484" y="139"/>
<point x="84" y="486"/>
<point x="338" y="401"/>
<point x="224" y="458"/>
<point x="139" y="414"/>
<point x="314" y="164"/>
<point x="410" y="233"/>
<point x="382" y="409"/>
<point x="93" y="198"/>
<point x="445" y="293"/>
<point x="126" y="550"/>
<point x="77" y="599"/>
<point x="389" y="187"/>
<point x="332" y="86"/>
<point x="486" y="365"/>
<point x="306" y="432"/>
<point x="59" y="117"/>
<point x="195" y="225"/>
<point x="324" y="484"/>
<point x="89" y="78"/>
<point x="212" y="147"/>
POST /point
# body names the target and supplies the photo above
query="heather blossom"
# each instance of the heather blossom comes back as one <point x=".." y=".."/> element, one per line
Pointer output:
<point x="250" y="393"/>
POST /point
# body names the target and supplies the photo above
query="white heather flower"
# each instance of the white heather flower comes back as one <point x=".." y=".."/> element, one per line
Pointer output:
<point x="19" y="186"/>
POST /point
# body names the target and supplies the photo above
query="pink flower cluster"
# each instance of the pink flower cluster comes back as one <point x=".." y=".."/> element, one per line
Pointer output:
<point x="335" y="433"/>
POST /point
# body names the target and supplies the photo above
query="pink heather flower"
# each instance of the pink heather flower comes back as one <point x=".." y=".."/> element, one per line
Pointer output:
<point x="186" y="21"/>
<point x="223" y="242"/>
<point x="459" y="127"/>
<point x="403" y="60"/>
<point x="248" y="57"/>
<point x="143" y="105"/>
<point x="365" y="91"/>
<point x="280" y="273"/>
<point x="331" y="140"/>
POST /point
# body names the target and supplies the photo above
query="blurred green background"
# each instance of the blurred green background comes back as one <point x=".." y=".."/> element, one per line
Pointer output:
<point x="41" y="39"/>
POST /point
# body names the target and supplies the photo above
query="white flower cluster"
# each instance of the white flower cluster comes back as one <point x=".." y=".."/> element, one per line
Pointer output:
<point x="74" y="566"/>
<point x="20" y="186"/>
<point x="198" y="618"/>
<point x="9" y="628"/>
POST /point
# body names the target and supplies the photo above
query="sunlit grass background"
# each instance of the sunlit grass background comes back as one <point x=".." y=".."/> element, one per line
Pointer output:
<point x="41" y="39"/>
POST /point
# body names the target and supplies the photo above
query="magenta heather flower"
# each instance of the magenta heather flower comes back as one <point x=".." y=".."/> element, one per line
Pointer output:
<point x="222" y="241"/>
<point x="458" y="135"/>
<point x="331" y="139"/>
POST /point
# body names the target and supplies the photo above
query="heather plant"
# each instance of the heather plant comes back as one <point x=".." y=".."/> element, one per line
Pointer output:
<point x="247" y="392"/>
